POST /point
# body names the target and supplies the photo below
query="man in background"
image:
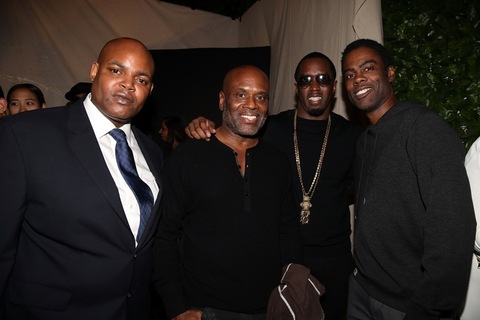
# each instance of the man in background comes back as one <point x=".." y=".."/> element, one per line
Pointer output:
<point x="78" y="92"/>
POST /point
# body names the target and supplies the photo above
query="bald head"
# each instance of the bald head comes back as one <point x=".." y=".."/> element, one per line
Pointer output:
<point x="126" y="45"/>
<point x="242" y="72"/>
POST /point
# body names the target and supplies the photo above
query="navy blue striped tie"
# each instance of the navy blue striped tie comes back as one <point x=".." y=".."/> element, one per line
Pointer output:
<point x="127" y="167"/>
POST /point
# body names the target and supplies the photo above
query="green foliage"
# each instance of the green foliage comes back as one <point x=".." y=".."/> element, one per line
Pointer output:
<point x="435" y="46"/>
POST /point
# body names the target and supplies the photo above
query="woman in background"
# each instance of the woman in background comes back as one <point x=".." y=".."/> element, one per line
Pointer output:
<point x="25" y="97"/>
<point x="172" y="132"/>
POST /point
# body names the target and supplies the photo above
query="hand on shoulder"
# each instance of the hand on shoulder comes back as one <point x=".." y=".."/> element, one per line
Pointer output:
<point x="200" y="128"/>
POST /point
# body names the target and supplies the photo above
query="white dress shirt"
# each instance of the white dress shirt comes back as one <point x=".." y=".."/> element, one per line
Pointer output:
<point x="102" y="126"/>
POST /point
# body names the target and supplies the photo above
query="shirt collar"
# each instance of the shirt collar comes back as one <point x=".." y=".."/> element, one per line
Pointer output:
<point x="102" y="125"/>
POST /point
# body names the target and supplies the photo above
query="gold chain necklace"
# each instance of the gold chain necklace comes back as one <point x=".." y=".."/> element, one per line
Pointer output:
<point x="306" y="204"/>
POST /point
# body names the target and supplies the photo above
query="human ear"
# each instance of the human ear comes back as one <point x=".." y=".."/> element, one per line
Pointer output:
<point x="391" y="74"/>
<point x="93" y="71"/>
<point x="221" y="100"/>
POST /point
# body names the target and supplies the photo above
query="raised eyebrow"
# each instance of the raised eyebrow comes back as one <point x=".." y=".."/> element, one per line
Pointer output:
<point x="121" y="66"/>
<point x="144" y="74"/>
<point x="368" y="62"/>
<point x="238" y="91"/>
<point x="360" y="66"/>
<point x="347" y="70"/>
<point x="116" y="64"/>
<point x="263" y="93"/>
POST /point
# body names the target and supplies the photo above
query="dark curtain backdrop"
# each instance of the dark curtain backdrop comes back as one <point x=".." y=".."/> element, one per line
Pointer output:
<point x="187" y="82"/>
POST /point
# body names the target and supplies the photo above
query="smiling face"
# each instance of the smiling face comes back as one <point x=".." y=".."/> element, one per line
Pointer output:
<point x="122" y="79"/>
<point x="368" y="84"/>
<point x="314" y="100"/>
<point x="244" y="101"/>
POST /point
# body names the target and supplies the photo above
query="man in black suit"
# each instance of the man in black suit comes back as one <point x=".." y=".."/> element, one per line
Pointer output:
<point x="70" y="243"/>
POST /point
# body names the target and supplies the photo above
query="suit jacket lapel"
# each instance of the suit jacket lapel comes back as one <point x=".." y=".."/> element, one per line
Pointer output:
<point x="84" y="144"/>
<point x="155" y="165"/>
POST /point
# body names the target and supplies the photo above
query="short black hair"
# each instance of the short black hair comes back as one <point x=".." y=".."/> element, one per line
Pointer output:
<point x="315" y="55"/>
<point x="2" y="95"/>
<point x="372" y="44"/>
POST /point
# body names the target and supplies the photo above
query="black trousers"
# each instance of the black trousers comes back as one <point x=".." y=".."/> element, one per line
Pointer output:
<point x="333" y="272"/>
<point x="361" y="306"/>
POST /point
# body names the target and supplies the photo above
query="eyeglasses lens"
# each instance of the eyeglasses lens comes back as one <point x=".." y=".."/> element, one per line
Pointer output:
<point x="305" y="81"/>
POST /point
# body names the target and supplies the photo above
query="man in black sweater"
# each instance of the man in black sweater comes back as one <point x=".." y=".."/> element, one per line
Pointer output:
<point x="230" y="222"/>
<point x="414" y="226"/>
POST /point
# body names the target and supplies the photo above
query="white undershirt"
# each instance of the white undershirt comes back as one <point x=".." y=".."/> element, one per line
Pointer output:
<point x="102" y="126"/>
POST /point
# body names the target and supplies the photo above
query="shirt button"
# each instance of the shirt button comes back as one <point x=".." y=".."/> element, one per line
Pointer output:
<point x="129" y="295"/>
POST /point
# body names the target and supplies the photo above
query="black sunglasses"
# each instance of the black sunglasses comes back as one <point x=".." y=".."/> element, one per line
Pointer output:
<point x="304" y="81"/>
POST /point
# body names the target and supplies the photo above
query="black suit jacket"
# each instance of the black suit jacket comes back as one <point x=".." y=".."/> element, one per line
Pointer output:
<point x="66" y="249"/>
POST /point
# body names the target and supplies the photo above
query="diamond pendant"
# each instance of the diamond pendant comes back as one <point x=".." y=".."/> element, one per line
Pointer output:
<point x="305" y="213"/>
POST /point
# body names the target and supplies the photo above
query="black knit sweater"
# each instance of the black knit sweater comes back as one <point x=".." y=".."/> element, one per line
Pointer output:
<point x="234" y="233"/>
<point x="415" y="225"/>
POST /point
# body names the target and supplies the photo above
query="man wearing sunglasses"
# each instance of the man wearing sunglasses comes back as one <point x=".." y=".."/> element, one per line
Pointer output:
<point x="320" y="146"/>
